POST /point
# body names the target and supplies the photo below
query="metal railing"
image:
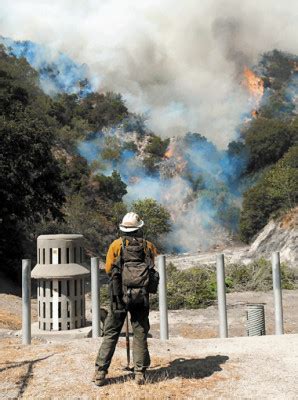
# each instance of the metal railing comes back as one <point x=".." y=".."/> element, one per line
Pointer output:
<point x="163" y="307"/>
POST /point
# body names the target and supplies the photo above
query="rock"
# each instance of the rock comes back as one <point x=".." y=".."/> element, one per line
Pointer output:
<point x="280" y="235"/>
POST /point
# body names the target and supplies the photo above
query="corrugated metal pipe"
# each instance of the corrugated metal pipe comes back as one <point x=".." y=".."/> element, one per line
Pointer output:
<point x="255" y="316"/>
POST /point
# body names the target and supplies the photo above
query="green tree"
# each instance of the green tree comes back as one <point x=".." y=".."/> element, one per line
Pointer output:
<point x="154" y="152"/>
<point x="64" y="108"/>
<point x="74" y="173"/>
<point x="275" y="192"/>
<point x="267" y="140"/>
<point x="283" y="185"/>
<point x="279" y="105"/>
<point x="30" y="176"/>
<point x="157" y="146"/>
<point x="278" y="66"/>
<point x="110" y="188"/>
<point x="97" y="228"/>
<point x="102" y="110"/>
<point x="31" y="185"/>
<point x="156" y="218"/>
<point x="118" y="211"/>
<point x="256" y="209"/>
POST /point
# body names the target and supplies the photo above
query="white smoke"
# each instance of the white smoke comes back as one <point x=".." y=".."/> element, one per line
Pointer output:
<point x="179" y="61"/>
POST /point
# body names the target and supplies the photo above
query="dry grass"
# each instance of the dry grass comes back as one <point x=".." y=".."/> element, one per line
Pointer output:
<point x="11" y="311"/>
<point x="290" y="219"/>
<point x="190" y="331"/>
<point x="9" y="320"/>
<point x="65" y="371"/>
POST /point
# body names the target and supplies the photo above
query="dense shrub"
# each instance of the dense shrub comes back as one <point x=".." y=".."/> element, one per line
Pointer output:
<point x="157" y="146"/>
<point x="192" y="288"/>
<point x="266" y="141"/>
<point x="257" y="276"/>
<point x="196" y="287"/>
<point x="103" y="109"/>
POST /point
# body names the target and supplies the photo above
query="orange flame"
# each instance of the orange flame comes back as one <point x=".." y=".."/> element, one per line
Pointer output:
<point x="174" y="154"/>
<point x="254" y="84"/>
<point x="170" y="152"/>
<point x="255" y="113"/>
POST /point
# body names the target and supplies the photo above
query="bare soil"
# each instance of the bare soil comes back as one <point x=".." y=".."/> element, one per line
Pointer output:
<point x="238" y="368"/>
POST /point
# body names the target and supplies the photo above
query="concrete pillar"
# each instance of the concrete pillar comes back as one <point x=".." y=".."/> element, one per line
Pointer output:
<point x="95" y="296"/>
<point x="163" y="304"/>
<point x="221" y="296"/>
<point x="276" y="277"/>
<point x="26" y="301"/>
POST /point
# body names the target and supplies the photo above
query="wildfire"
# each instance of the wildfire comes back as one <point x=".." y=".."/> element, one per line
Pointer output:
<point x="254" y="113"/>
<point x="254" y="84"/>
<point x="174" y="162"/>
<point x="181" y="164"/>
<point x="170" y="152"/>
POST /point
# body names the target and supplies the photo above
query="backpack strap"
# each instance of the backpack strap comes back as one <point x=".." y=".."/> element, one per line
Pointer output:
<point x="122" y="247"/>
<point x="145" y="245"/>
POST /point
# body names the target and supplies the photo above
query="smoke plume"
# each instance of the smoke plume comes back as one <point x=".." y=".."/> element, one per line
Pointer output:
<point x="180" y="62"/>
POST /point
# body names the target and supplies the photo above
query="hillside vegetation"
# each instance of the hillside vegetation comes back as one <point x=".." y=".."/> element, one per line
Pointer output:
<point x="270" y="140"/>
<point x="47" y="186"/>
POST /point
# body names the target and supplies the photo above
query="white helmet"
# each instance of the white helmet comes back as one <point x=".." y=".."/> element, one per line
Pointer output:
<point x="131" y="222"/>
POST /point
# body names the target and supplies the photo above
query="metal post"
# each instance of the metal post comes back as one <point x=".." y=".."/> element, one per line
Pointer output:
<point x="163" y="304"/>
<point x="221" y="296"/>
<point x="26" y="301"/>
<point x="95" y="295"/>
<point x="279" y="328"/>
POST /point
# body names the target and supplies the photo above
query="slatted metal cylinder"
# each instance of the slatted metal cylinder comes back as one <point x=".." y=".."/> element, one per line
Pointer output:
<point x="255" y="316"/>
<point x="61" y="282"/>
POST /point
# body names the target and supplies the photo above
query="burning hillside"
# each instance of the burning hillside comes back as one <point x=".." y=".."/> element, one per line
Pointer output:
<point x="254" y="84"/>
<point x="201" y="184"/>
<point x="190" y="178"/>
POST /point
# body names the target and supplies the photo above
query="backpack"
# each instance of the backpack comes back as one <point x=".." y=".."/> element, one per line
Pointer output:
<point x="133" y="275"/>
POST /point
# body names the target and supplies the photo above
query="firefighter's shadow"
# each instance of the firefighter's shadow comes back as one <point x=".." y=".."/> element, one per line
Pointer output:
<point x="191" y="368"/>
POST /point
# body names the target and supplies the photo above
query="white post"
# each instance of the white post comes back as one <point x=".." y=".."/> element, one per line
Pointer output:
<point x="221" y="296"/>
<point x="163" y="304"/>
<point x="26" y="301"/>
<point x="95" y="295"/>
<point x="279" y="325"/>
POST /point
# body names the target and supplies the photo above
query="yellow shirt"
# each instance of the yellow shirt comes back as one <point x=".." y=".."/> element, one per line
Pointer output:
<point x="114" y="252"/>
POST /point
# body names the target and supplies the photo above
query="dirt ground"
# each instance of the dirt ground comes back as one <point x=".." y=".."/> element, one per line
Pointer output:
<point x="184" y="367"/>
<point x="238" y="368"/>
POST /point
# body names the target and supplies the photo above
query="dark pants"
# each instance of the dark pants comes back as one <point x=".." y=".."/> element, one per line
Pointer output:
<point x="112" y="329"/>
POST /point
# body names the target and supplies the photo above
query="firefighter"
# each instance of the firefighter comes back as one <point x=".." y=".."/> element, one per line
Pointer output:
<point x="130" y="250"/>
